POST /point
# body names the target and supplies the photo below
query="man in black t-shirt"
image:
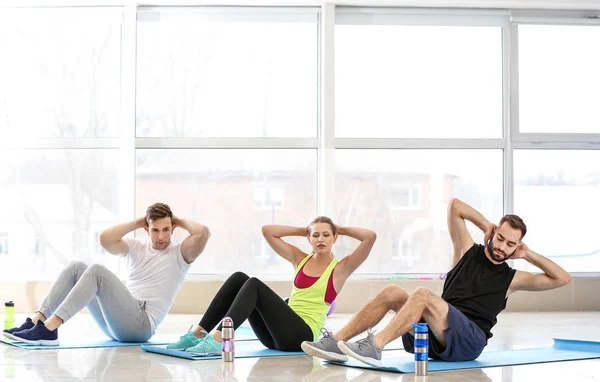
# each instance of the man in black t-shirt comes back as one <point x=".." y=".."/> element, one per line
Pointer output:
<point x="475" y="292"/>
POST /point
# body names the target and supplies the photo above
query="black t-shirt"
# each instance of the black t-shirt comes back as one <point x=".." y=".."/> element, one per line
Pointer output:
<point x="477" y="287"/>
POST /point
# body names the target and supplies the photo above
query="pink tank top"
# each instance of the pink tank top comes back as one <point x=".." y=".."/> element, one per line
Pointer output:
<point x="303" y="281"/>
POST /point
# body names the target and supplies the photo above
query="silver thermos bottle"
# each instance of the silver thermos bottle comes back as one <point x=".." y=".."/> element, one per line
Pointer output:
<point x="228" y="334"/>
<point x="421" y="348"/>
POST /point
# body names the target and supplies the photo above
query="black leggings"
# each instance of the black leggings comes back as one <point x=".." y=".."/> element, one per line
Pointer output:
<point x="242" y="297"/>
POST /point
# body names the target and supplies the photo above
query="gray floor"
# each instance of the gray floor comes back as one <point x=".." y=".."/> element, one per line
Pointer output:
<point x="514" y="331"/>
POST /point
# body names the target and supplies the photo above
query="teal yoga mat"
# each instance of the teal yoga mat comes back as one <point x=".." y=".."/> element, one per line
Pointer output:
<point x="562" y="350"/>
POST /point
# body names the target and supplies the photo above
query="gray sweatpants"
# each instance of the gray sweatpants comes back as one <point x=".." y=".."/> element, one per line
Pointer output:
<point x="120" y="315"/>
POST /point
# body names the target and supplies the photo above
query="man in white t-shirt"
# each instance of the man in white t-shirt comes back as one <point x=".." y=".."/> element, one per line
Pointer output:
<point x="131" y="313"/>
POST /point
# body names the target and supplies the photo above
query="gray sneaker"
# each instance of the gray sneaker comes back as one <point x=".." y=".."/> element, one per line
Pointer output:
<point x="363" y="350"/>
<point x="326" y="348"/>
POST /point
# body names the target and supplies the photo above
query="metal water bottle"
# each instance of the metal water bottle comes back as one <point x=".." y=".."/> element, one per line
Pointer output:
<point x="421" y="348"/>
<point x="228" y="334"/>
<point x="9" y="315"/>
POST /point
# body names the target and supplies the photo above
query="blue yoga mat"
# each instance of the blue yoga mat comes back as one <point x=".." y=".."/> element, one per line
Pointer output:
<point x="248" y="349"/>
<point x="563" y="350"/>
<point x="243" y="333"/>
<point x="80" y="343"/>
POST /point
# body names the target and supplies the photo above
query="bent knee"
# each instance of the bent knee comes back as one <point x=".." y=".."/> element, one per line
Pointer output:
<point x="98" y="269"/>
<point x="390" y="289"/>
<point x="422" y="293"/>
<point x="393" y="295"/>
<point x="394" y="292"/>
<point x="253" y="281"/>
<point x="77" y="265"/>
<point x="239" y="275"/>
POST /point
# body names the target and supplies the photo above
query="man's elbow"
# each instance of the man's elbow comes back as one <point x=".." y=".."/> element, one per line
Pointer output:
<point x="372" y="236"/>
<point x="453" y="205"/>
<point x="103" y="239"/>
<point x="267" y="230"/>
<point x="205" y="233"/>
<point x="566" y="279"/>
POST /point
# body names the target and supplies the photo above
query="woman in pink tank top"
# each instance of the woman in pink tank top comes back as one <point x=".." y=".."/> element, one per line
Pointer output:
<point x="278" y="325"/>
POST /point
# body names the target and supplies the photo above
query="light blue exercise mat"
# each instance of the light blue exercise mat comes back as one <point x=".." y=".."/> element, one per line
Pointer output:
<point x="243" y="333"/>
<point x="562" y="350"/>
<point x="81" y="343"/>
<point x="247" y="349"/>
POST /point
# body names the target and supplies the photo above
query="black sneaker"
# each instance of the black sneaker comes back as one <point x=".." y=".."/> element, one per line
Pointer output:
<point x="38" y="335"/>
<point x="8" y="333"/>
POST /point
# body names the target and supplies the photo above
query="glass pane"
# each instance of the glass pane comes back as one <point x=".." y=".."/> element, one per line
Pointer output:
<point x="559" y="79"/>
<point x="63" y="75"/>
<point x="54" y="204"/>
<point x="556" y="194"/>
<point x="234" y="193"/>
<point x="403" y="195"/>
<point x="395" y="81"/>
<point x="226" y="79"/>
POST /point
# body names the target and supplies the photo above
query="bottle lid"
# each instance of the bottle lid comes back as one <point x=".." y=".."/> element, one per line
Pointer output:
<point x="227" y="322"/>
<point x="9" y="303"/>
<point x="420" y="327"/>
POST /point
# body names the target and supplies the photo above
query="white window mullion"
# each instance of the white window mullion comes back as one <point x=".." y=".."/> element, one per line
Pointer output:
<point x="59" y="143"/>
<point x="555" y="17"/>
<point x="226" y="143"/>
<point x="127" y="137"/>
<point x="418" y="143"/>
<point x="541" y="145"/>
<point x="510" y="108"/>
<point x="234" y="13"/>
<point x="326" y="151"/>
<point x="590" y="139"/>
<point x="420" y="16"/>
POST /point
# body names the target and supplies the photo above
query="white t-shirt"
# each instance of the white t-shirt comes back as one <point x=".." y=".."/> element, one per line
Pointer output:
<point x="155" y="276"/>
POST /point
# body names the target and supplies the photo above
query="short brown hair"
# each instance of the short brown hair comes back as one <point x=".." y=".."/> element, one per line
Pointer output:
<point x="515" y="222"/>
<point x="322" y="219"/>
<point x="158" y="211"/>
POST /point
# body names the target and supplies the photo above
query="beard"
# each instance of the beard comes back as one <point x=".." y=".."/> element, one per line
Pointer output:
<point x="498" y="258"/>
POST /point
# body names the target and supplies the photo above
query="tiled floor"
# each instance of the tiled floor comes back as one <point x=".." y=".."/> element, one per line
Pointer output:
<point x="514" y="331"/>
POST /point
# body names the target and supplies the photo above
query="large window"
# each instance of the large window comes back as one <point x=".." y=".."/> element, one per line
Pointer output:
<point x="60" y="99"/>
<point x="402" y="75"/>
<point x="244" y="116"/>
<point x="227" y="73"/>
<point x="60" y="76"/>
<point x="54" y="202"/>
<point x="559" y="80"/>
<point x="223" y="75"/>
<point x="418" y="81"/>
<point x="218" y="188"/>
<point x="556" y="193"/>
<point x="415" y="239"/>
<point x="557" y="136"/>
